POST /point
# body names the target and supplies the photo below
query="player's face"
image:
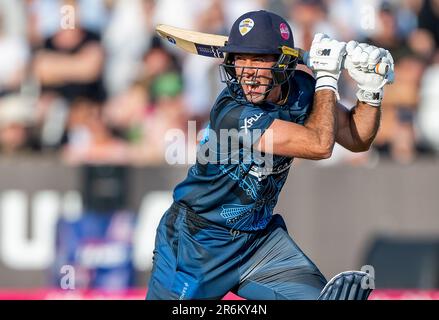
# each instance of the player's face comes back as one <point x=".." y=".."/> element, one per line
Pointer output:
<point x="256" y="81"/>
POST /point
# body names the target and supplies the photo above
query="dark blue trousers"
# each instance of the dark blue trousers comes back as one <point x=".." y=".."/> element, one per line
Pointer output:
<point x="195" y="259"/>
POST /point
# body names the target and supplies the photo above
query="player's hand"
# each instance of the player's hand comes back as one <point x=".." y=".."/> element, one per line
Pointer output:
<point x="325" y="58"/>
<point x="361" y="61"/>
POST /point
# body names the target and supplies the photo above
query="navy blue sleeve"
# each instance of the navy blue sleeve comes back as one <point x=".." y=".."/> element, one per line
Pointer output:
<point x="247" y="120"/>
<point x="303" y="97"/>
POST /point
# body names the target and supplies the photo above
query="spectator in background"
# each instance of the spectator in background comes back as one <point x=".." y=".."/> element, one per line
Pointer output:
<point x="14" y="17"/>
<point x="234" y="9"/>
<point x="149" y="116"/>
<point x="201" y="76"/>
<point x="407" y="15"/>
<point x="70" y="64"/>
<point x="34" y="34"/>
<point x="90" y="140"/>
<point x="428" y="19"/>
<point x="396" y="137"/>
<point x="428" y="114"/>
<point x="126" y="111"/>
<point x="153" y="104"/>
<point x="15" y="111"/>
<point x="128" y="35"/>
<point x="15" y="123"/>
<point x="166" y="113"/>
<point x="68" y="67"/>
<point x="158" y="60"/>
<point x="308" y="17"/>
<point x="14" y="59"/>
<point x="47" y="14"/>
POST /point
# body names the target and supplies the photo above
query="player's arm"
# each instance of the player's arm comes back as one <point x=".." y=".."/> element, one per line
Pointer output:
<point x="314" y="140"/>
<point x="358" y="127"/>
<point x="53" y="68"/>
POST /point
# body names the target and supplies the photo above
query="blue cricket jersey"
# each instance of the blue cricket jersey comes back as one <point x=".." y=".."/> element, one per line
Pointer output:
<point x="242" y="194"/>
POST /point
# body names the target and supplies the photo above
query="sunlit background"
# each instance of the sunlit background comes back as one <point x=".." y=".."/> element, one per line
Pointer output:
<point x="88" y="94"/>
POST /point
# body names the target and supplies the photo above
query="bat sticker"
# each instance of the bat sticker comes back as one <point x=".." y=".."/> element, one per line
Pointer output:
<point x="171" y="40"/>
<point x="208" y="51"/>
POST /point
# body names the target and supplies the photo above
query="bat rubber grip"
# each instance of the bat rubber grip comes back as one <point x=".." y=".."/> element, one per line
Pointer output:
<point x="380" y="68"/>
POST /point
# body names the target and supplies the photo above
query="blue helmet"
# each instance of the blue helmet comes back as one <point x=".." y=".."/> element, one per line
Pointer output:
<point x="259" y="32"/>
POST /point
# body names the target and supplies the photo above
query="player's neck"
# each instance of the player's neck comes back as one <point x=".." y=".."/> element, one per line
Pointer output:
<point x="276" y="96"/>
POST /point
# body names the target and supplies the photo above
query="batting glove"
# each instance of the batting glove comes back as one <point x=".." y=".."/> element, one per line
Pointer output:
<point x="361" y="62"/>
<point x="325" y="59"/>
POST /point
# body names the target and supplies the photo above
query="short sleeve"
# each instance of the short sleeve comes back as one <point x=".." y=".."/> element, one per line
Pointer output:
<point x="253" y="123"/>
<point x="245" y="122"/>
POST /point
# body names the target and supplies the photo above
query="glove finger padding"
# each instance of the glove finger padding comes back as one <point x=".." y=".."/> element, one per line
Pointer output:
<point x="356" y="55"/>
<point x="318" y="37"/>
<point x="370" y="86"/>
<point x="326" y="54"/>
<point x="350" y="46"/>
<point x="374" y="57"/>
<point x="361" y="62"/>
<point x="325" y="58"/>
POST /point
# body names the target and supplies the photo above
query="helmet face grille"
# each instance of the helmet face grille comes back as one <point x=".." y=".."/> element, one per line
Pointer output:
<point x="281" y="72"/>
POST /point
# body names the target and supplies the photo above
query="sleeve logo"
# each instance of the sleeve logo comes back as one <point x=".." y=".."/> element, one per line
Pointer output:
<point x="249" y="122"/>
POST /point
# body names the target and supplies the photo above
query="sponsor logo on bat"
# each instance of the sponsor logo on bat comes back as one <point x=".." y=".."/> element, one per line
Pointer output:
<point x="171" y="40"/>
<point x="208" y="51"/>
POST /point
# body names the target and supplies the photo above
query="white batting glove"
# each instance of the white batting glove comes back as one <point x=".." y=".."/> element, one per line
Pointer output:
<point x="361" y="61"/>
<point x="325" y="59"/>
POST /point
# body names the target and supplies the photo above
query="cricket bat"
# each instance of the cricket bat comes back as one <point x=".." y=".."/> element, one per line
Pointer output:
<point x="206" y="44"/>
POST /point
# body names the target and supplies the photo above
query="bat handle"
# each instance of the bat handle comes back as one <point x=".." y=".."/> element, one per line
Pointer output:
<point x="380" y="68"/>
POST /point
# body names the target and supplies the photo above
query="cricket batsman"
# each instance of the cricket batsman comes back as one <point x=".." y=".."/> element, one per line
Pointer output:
<point x="220" y="234"/>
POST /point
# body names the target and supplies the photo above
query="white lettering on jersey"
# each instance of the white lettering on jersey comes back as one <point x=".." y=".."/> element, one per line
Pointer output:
<point x="262" y="173"/>
<point x="249" y="122"/>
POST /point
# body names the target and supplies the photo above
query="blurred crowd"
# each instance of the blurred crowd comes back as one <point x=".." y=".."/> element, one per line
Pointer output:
<point x="89" y="81"/>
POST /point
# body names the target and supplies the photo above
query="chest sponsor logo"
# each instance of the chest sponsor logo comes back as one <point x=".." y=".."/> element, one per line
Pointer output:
<point x="263" y="172"/>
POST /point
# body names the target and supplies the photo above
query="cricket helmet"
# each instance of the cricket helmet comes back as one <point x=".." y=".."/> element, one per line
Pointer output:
<point x="259" y="32"/>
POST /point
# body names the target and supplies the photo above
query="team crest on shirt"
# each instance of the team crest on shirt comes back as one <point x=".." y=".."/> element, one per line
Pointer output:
<point x="245" y="26"/>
